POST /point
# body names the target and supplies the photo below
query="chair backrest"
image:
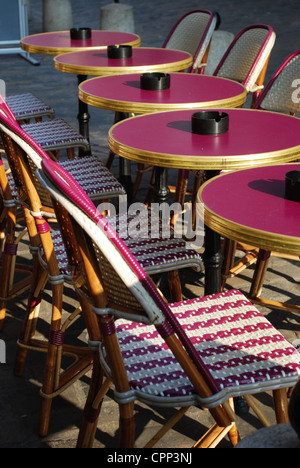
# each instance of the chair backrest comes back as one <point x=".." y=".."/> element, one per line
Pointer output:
<point x="282" y="93"/>
<point x="117" y="266"/>
<point x="192" y="33"/>
<point x="247" y="56"/>
<point x="10" y="131"/>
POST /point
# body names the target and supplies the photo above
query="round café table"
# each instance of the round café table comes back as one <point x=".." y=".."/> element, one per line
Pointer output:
<point x="250" y="206"/>
<point x="165" y="139"/>
<point x="97" y="63"/>
<point x="60" y="42"/>
<point x="123" y="94"/>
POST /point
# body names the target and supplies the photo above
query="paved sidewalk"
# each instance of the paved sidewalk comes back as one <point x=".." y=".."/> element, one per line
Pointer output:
<point x="19" y="396"/>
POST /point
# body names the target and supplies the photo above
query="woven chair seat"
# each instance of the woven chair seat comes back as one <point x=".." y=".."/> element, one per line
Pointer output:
<point x="55" y="134"/>
<point x="155" y="255"/>
<point x="229" y="334"/>
<point x="154" y="243"/>
<point x="95" y="179"/>
<point x="27" y="106"/>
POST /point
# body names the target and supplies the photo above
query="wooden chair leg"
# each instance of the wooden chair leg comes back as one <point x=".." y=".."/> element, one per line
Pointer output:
<point x="175" y="286"/>
<point x="127" y="425"/>
<point x="39" y="281"/>
<point x="281" y="405"/>
<point x="55" y="340"/>
<point x="9" y="252"/>
<point x="259" y="274"/>
<point x="97" y="391"/>
<point x="229" y="248"/>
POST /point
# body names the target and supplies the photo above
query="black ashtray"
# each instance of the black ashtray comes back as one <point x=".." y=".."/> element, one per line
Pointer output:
<point x="292" y="186"/>
<point x="155" y="81"/>
<point x="210" y="122"/>
<point x="81" y="33"/>
<point x="119" y="52"/>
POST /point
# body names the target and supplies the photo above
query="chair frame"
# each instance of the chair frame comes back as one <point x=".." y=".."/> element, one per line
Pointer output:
<point x="255" y="77"/>
<point x="89" y="226"/>
<point x="22" y="151"/>
<point x="200" y="56"/>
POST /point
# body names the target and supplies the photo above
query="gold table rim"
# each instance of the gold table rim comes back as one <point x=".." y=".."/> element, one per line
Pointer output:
<point x="46" y="50"/>
<point x="234" y="162"/>
<point x="179" y="65"/>
<point x="266" y="240"/>
<point x="141" y="108"/>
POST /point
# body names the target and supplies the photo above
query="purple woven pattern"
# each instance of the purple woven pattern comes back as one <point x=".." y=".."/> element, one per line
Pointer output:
<point x="60" y="254"/>
<point x="93" y="177"/>
<point x="55" y="134"/>
<point x="12" y="186"/>
<point x="235" y="341"/>
<point x="27" y="105"/>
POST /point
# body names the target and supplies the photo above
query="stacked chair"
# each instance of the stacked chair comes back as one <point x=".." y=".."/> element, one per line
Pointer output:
<point x="51" y="263"/>
<point x="198" y="352"/>
<point x="279" y="95"/>
<point x="27" y="107"/>
<point x="88" y="171"/>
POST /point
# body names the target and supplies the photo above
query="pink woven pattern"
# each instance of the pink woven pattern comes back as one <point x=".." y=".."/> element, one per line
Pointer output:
<point x="228" y="333"/>
<point x="27" y="105"/>
<point x="55" y="133"/>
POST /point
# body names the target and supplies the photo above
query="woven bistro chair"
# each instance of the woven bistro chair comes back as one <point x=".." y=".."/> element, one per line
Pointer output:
<point x="192" y="33"/>
<point x="91" y="174"/>
<point x="53" y="261"/>
<point x="27" y="107"/>
<point x="246" y="59"/>
<point x="197" y="352"/>
<point x="281" y="94"/>
<point x="54" y="134"/>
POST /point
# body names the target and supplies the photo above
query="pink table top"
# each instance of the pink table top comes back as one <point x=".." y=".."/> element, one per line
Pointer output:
<point x="91" y="62"/>
<point x="165" y="139"/>
<point x="59" y="42"/>
<point x="123" y="93"/>
<point x="249" y="206"/>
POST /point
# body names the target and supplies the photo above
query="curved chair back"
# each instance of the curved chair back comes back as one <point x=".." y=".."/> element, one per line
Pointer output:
<point x="282" y="93"/>
<point x="119" y="270"/>
<point x="192" y="33"/>
<point x="247" y="57"/>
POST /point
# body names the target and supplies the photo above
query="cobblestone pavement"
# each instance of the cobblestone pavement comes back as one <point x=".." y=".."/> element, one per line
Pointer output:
<point x="19" y="396"/>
